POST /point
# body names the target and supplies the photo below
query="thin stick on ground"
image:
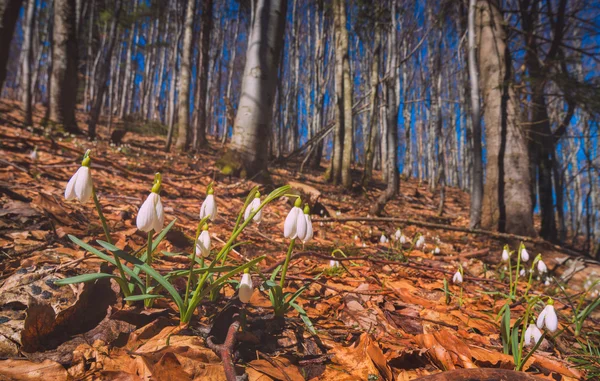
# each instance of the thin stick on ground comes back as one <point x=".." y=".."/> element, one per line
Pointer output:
<point x="225" y="350"/>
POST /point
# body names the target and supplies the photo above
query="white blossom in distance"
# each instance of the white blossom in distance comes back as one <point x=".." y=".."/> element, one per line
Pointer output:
<point x="522" y="272"/>
<point x="548" y="318"/>
<point x="333" y="263"/>
<point x="437" y="250"/>
<point x="420" y="242"/>
<point x="34" y="154"/>
<point x="253" y="206"/>
<point x="403" y="239"/>
<point x="505" y="255"/>
<point x="246" y="288"/>
<point x="457" y="278"/>
<point x="80" y="186"/>
<point x="203" y="242"/>
<point x="532" y="335"/>
<point x="541" y="266"/>
<point x="524" y="255"/>
<point x="383" y="238"/>
<point x="398" y="234"/>
<point x="209" y="206"/>
<point x="295" y="222"/>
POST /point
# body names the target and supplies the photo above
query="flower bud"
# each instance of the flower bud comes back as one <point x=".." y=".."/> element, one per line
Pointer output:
<point x="209" y="206"/>
<point x="246" y="288"/>
<point x="80" y="186"/>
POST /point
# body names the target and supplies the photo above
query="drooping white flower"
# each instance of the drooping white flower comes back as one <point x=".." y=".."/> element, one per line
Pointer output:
<point x="398" y="234"/>
<point x="307" y="234"/>
<point x="203" y="243"/>
<point x="383" y="238"/>
<point x="524" y="255"/>
<point x="532" y="335"/>
<point x="33" y="155"/>
<point x="295" y="223"/>
<point x="333" y="263"/>
<point x="437" y="250"/>
<point x="547" y="282"/>
<point x="252" y="206"/>
<point x="548" y="318"/>
<point x="505" y="255"/>
<point x="457" y="278"/>
<point x="246" y="288"/>
<point x="403" y="239"/>
<point x="541" y="266"/>
<point x="209" y="206"/>
<point x="151" y="215"/>
<point x="420" y="242"/>
<point x="522" y="273"/>
<point x="80" y="186"/>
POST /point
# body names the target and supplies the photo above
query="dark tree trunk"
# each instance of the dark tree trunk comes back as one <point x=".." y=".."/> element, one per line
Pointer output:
<point x="207" y="25"/>
<point x="9" y="11"/>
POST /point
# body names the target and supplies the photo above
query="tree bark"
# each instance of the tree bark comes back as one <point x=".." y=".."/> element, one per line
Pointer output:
<point x="27" y="61"/>
<point x="185" y="75"/>
<point x="63" y="95"/>
<point x="9" y="13"/>
<point x="348" y="118"/>
<point x="477" y="169"/>
<point x="506" y="201"/>
<point x="371" y="138"/>
<point x="255" y="111"/>
<point x="207" y="25"/>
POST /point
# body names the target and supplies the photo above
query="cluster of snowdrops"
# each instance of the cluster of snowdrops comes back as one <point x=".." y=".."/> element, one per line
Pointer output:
<point x="209" y="270"/>
<point x="207" y="273"/>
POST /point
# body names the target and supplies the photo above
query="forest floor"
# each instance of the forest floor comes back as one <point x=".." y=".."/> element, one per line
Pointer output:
<point x="384" y="315"/>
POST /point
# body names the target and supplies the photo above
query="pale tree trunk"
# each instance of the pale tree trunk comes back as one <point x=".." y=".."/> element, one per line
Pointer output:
<point x="26" y="61"/>
<point x="406" y="114"/>
<point x="103" y="74"/>
<point x="230" y="109"/>
<point x="9" y="14"/>
<point x="371" y="136"/>
<point x="253" y="120"/>
<point x="506" y="200"/>
<point x="63" y="93"/>
<point x="393" y="176"/>
<point x="175" y="32"/>
<point x="320" y="83"/>
<point x="348" y="119"/>
<point x="477" y="169"/>
<point x="207" y="25"/>
<point x="338" y="137"/>
<point x="185" y="75"/>
<point x="128" y="75"/>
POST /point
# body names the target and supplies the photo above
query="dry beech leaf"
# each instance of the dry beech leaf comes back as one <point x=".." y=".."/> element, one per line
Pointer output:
<point x="277" y="373"/>
<point x="24" y="370"/>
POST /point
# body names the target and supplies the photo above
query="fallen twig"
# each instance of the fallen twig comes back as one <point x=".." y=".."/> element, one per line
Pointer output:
<point x="225" y="350"/>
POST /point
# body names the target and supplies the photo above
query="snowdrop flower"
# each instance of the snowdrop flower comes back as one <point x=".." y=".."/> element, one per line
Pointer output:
<point x="253" y="206"/>
<point x="541" y="266"/>
<point x="505" y="255"/>
<point x="547" y="282"/>
<point x="458" y="278"/>
<point x="383" y="238"/>
<point x="34" y="154"/>
<point x="522" y="272"/>
<point x="524" y="255"/>
<point x="548" y="318"/>
<point x="398" y="234"/>
<point x="532" y="335"/>
<point x="437" y="250"/>
<point x="403" y="239"/>
<point x="246" y="288"/>
<point x="295" y="222"/>
<point x="333" y="263"/>
<point x="203" y="242"/>
<point x="151" y="215"/>
<point x="209" y="206"/>
<point x="356" y="237"/>
<point x="420" y="242"/>
<point x="308" y="233"/>
<point x="80" y="186"/>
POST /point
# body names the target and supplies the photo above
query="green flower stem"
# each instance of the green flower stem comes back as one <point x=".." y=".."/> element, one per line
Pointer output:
<point x="148" y="302"/>
<point x="288" y="256"/>
<point x="109" y="240"/>
<point x="510" y="277"/>
<point x="193" y="261"/>
<point x="514" y="292"/>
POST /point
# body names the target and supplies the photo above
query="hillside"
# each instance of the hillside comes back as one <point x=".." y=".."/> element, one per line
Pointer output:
<point x="383" y="315"/>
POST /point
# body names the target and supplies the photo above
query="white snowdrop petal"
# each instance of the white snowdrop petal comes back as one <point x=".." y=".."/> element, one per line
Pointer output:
<point x="83" y="184"/>
<point x="505" y="255"/>
<point x="528" y="335"/>
<point x="289" y="226"/>
<point x="541" y="318"/>
<point x="309" y="230"/>
<point x="551" y="319"/>
<point x="147" y="214"/>
<point x="333" y="263"/>
<point x="203" y="244"/>
<point x="300" y="225"/>
<point x="524" y="255"/>
<point x="160" y="215"/>
<point x="70" y="189"/>
<point x="537" y="334"/>
<point x="542" y="268"/>
<point x="457" y="278"/>
<point x="246" y="288"/>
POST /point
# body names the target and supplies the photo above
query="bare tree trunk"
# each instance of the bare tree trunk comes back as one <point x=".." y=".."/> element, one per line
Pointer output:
<point x="63" y="95"/>
<point x="9" y="13"/>
<point x="255" y="111"/>
<point x="230" y="110"/>
<point x="207" y="25"/>
<point x="26" y="61"/>
<point x="185" y="75"/>
<point x="506" y="201"/>
<point x="371" y="137"/>
<point x="477" y="170"/>
<point x="338" y="137"/>
<point x="348" y="118"/>
<point x="104" y="73"/>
